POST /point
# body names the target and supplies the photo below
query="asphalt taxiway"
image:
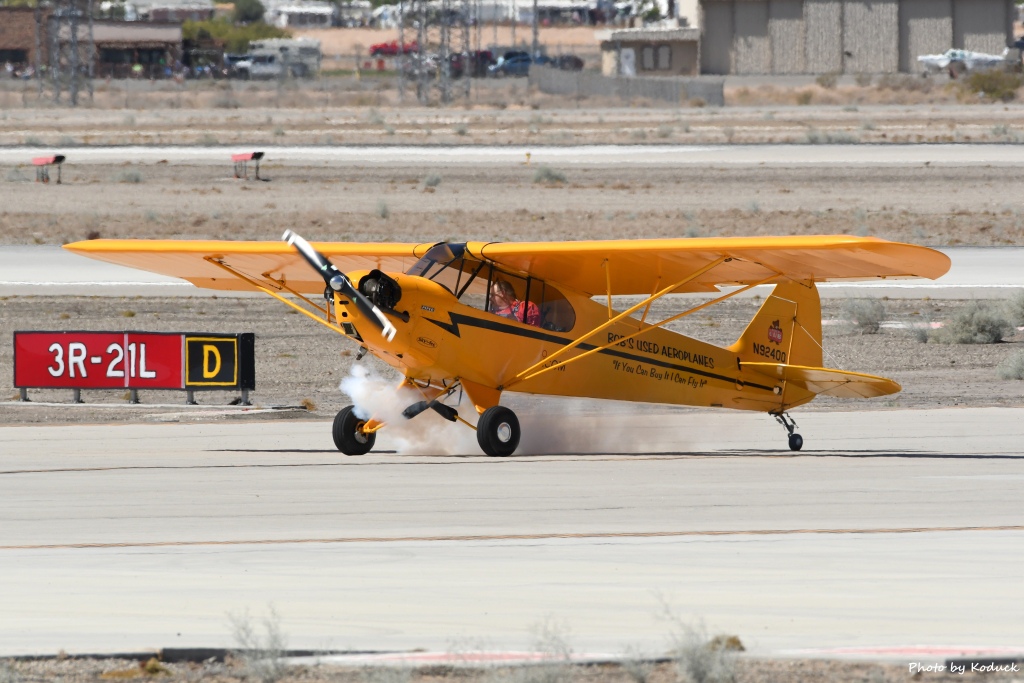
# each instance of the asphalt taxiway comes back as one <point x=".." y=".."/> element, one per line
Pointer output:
<point x="894" y="530"/>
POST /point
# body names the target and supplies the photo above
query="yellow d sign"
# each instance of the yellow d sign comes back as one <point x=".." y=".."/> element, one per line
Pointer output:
<point x="210" y="350"/>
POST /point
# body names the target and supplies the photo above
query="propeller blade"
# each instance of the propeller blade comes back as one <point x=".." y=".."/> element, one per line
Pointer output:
<point x="338" y="281"/>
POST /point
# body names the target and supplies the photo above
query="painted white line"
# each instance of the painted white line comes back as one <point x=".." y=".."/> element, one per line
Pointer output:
<point x="455" y="659"/>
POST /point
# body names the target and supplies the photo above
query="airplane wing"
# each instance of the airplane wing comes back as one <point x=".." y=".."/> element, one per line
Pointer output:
<point x="644" y="266"/>
<point x="264" y="262"/>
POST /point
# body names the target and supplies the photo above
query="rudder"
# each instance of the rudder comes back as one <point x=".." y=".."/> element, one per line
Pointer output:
<point x="786" y="329"/>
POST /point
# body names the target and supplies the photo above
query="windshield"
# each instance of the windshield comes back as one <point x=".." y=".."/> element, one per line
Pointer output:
<point x="445" y="264"/>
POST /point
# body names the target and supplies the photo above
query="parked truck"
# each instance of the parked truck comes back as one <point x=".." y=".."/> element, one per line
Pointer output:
<point x="280" y="58"/>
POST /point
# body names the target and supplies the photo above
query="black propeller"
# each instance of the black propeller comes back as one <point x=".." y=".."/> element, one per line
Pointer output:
<point x="337" y="281"/>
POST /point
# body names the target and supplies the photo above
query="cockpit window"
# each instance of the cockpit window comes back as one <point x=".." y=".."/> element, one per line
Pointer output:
<point x="446" y="265"/>
<point x="480" y="285"/>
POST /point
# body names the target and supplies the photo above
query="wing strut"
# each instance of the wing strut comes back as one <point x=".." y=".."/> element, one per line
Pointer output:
<point x="532" y="371"/>
<point x="258" y="285"/>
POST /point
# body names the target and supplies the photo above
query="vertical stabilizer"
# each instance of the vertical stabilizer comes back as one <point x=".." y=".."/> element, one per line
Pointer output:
<point x="786" y="329"/>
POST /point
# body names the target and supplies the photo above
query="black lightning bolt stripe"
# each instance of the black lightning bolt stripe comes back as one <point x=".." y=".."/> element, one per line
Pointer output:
<point x="496" y="325"/>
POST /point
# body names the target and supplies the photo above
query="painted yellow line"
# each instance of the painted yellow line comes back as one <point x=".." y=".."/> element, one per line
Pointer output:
<point x="512" y="537"/>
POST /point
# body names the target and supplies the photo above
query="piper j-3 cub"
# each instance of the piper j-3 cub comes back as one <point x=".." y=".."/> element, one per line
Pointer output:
<point x="489" y="317"/>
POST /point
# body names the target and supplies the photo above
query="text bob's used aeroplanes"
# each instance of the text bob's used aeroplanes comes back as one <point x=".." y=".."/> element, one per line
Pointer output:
<point x="489" y="317"/>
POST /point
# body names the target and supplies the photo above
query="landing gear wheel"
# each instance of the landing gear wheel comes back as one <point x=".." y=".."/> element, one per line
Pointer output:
<point x="497" y="431"/>
<point x="347" y="435"/>
<point x="796" y="442"/>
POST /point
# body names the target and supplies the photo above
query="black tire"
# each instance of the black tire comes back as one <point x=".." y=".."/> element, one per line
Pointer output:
<point x="796" y="442"/>
<point x="347" y="436"/>
<point x="498" y="432"/>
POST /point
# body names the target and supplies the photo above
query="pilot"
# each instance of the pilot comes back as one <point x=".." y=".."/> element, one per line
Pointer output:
<point x="505" y="304"/>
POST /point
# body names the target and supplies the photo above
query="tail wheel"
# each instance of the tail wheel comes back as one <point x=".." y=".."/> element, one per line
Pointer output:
<point x="348" y="434"/>
<point x="498" y="432"/>
<point x="796" y="442"/>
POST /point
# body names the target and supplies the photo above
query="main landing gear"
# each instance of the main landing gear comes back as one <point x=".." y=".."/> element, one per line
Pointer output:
<point x="348" y="433"/>
<point x="498" y="432"/>
<point x="796" y="442"/>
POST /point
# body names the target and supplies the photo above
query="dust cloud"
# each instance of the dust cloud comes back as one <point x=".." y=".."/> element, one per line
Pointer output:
<point x="550" y="425"/>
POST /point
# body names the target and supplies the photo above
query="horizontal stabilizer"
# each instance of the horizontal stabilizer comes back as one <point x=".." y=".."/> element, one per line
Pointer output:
<point x="827" y="381"/>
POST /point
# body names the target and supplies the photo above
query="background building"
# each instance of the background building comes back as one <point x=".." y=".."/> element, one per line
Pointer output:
<point x="650" y="52"/>
<point x="845" y="36"/>
<point x="18" y="36"/>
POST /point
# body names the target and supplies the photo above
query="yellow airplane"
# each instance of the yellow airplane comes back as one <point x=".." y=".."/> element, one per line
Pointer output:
<point x="536" y="317"/>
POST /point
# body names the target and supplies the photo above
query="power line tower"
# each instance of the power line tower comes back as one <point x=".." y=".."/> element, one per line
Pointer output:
<point x="441" y="65"/>
<point x="70" y="48"/>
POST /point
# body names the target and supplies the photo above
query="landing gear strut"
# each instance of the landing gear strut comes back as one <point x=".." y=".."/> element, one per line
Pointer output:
<point x="796" y="442"/>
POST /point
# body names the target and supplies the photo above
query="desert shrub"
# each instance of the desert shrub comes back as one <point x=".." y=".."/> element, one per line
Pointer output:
<point x="1012" y="367"/>
<point x="706" y="660"/>
<point x="461" y="129"/>
<point x="226" y="101"/>
<point x="804" y="97"/>
<point x="262" y="657"/>
<point x="129" y="175"/>
<point x="432" y="180"/>
<point x="862" y="79"/>
<point x="382" y="209"/>
<point x="386" y="674"/>
<point x="905" y="82"/>
<point x="994" y="84"/>
<point x="1014" y="307"/>
<point x="14" y="175"/>
<point x="638" y="666"/>
<point x="548" y="176"/>
<point x="976" y="323"/>
<point x="864" y="315"/>
<point x="917" y="332"/>
<point x="828" y="80"/>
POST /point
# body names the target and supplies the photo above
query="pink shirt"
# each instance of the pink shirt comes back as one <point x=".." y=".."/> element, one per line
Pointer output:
<point x="516" y="312"/>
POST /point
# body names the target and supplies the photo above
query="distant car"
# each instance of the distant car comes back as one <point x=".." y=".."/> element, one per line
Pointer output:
<point x="259" y="67"/>
<point x="391" y="49"/>
<point x="516" y="65"/>
<point x="568" y="63"/>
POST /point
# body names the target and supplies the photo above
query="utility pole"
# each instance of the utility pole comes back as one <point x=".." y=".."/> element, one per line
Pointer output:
<point x="536" y="23"/>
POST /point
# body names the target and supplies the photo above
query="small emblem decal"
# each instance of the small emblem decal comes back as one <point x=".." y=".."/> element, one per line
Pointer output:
<point x="429" y="343"/>
<point x="428" y="309"/>
<point x="775" y="332"/>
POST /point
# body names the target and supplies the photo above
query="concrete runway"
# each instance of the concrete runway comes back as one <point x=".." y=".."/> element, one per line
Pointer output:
<point x="894" y="530"/>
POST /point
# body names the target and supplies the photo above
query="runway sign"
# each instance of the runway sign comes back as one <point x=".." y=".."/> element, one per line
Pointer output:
<point x="134" y="360"/>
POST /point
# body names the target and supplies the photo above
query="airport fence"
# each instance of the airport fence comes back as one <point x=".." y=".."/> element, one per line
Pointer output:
<point x="709" y="90"/>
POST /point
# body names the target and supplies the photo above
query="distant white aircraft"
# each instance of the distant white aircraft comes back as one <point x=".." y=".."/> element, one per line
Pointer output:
<point x="962" y="61"/>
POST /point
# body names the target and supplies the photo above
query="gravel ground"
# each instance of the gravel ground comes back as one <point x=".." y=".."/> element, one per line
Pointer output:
<point x="746" y="671"/>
